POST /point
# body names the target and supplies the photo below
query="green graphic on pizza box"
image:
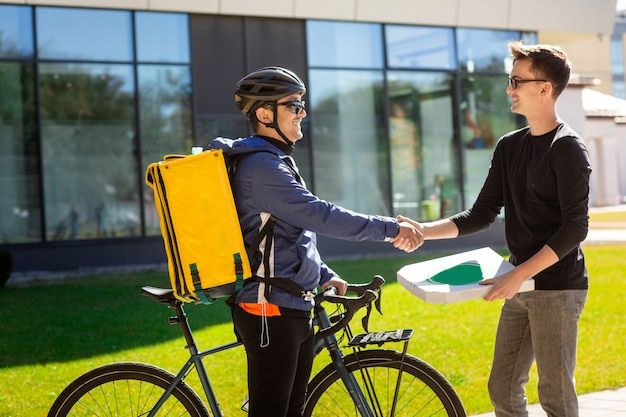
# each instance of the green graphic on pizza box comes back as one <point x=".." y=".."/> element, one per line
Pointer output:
<point x="456" y="277"/>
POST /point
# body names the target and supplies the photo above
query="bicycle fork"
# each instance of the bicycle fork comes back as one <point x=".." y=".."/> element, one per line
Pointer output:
<point x="359" y="397"/>
<point x="349" y="380"/>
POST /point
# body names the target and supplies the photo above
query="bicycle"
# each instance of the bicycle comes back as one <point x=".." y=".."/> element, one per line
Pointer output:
<point x="370" y="382"/>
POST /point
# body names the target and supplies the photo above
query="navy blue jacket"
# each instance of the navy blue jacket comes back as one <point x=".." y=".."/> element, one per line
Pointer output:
<point x="263" y="184"/>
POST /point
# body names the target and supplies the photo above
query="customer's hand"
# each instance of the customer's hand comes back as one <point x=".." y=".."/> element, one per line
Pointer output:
<point x="402" y="219"/>
<point x="504" y="286"/>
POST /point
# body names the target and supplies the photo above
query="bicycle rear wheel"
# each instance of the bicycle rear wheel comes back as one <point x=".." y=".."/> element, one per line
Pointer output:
<point x="126" y="389"/>
<point x="422" y="390"/>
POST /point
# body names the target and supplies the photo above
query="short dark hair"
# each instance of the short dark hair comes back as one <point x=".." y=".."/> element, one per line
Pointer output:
<point x="254" y="122"/>
<point x="548" y="62"/>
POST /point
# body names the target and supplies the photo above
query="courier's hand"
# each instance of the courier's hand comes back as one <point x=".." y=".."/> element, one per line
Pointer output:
<point x="338" y="283"/>
<point x="409" y="238"/>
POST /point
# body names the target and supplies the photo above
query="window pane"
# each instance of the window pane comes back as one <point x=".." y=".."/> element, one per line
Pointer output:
<point x="424" y="164"/>
<point x="16" y="32"/>
<point x="529" y="38"/>
<point x="19" y="181"/>
<point x="484" y="50"/>
<point x="420" y="47"/>
<point x="350" y="152"/>
<point x="619" y="89"/>
<point x="340" y="44"/>
<point x="486" y="116"/>
<point x="165" y="119"/>
<point x="162" y="37"/>
<point x="89" y="159"/>
<point x="84" y="34"/>
<point x="617" y="56"/>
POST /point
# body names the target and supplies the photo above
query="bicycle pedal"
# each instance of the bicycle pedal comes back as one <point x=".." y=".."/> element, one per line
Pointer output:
<point x="378" y="338"/>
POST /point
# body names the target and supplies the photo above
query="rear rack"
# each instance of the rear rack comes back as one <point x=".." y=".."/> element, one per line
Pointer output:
<point x="378" y="338"/>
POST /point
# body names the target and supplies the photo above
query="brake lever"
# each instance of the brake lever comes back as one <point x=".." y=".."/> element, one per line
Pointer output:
<point x="360" y="289"/>
<point x="375" y="285"/>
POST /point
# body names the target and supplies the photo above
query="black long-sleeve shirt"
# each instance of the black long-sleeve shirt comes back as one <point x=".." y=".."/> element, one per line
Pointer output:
<point x="543" y="184"/>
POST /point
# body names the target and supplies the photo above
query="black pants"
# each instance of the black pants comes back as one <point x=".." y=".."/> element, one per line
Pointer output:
<point x="278" y="373"/>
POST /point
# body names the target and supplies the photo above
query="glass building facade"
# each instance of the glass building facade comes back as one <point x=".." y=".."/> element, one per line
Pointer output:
<point x="402" y="119"/>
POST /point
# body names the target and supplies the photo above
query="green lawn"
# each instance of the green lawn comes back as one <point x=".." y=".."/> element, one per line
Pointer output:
<point x="615" y="217"/>
<point x="52" y="332"/>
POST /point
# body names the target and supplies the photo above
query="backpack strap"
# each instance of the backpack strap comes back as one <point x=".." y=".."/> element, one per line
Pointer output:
<point x="267" y="232"/>
<point x="287" y="285"/>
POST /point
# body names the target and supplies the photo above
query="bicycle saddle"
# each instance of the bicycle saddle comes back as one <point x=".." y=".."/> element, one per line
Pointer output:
<point x="161" y="295"/>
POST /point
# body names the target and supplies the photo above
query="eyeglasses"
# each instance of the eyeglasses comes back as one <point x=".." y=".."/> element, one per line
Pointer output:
<point x="295" y="107"/>
<point x="514" y="82"/>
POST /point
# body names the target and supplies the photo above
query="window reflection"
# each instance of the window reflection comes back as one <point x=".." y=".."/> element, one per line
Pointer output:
<point x="19" y="183"/>
<point x="486" y="116"/>
<point x="16" y="32"/>
<point x="420" y="47"/>
<point x="88" y="151"/>
<point x="92" y="171"/>
<point x="423" y="151"/>
<point x="484" y="50"/>
<point x="162" y="37"/>
<point x="84" y="34"/>
<point x="343" y="44"/>
<point x="349" y="155"/>
<point x="165" y="120"/>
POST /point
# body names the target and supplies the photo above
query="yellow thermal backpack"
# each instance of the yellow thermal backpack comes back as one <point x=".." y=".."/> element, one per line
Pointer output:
<point x="206" y="255"/>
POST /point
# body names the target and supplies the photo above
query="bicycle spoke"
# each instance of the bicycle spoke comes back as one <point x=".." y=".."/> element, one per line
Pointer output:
<point x="126" y="390"/>
<point x="415" y="390"/>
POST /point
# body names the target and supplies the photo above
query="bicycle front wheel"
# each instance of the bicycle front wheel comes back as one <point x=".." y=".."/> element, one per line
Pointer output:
<point x="418" y="390"/>
<point x="126" y="389"/>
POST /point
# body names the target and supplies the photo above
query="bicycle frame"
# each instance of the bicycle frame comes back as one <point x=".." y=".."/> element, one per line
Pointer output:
<point x="195" y="359"/>
<point x="329" y="343"/>
<point x="350" y="379"/>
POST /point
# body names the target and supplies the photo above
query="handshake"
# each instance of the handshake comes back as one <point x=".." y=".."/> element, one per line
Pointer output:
<point x="411" y="235"/>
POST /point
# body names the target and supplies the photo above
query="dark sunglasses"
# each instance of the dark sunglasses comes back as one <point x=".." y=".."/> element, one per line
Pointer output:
<point x="295" y="107"/>
<point x="514" y="82"/>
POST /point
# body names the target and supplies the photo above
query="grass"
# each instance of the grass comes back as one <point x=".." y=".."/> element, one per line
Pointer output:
<point x="54" y="331"/>
<point x="608" y="219"/>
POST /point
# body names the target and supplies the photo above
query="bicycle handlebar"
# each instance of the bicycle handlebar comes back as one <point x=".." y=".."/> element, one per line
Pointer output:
<point x="366" y="294"/>
<point x="375" y="285"/>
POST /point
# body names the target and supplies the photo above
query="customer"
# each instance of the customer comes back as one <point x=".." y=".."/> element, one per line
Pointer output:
<point x="540" y="176"/>
<point x="275" y="325"/>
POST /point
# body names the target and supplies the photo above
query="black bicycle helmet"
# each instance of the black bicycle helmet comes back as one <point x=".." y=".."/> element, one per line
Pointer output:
<point x="266" y="84"/>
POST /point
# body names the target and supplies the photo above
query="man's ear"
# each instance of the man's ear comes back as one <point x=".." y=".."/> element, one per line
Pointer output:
<point x="263" y="115"/>
<point x="547" y="88"/>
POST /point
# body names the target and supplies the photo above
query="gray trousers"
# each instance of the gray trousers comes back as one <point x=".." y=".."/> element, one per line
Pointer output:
<point x="541" y="326"/>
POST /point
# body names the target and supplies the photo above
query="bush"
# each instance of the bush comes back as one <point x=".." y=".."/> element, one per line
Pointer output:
<point x="6" y="266"/>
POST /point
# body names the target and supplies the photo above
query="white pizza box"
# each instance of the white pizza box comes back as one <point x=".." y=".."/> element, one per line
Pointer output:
<point x="455" y="277"/>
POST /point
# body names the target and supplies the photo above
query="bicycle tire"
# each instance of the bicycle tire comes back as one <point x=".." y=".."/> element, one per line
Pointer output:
<point x="126" y="389"/>
<point x="423" y="390"/>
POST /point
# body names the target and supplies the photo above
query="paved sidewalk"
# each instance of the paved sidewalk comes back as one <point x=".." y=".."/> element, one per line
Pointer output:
<point x="605" y="236"/>
<point x="597" y="404"/>
<point x="606" y="233"/>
